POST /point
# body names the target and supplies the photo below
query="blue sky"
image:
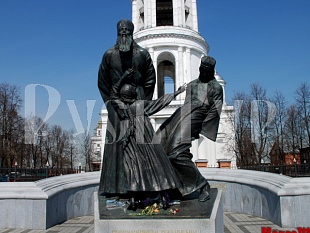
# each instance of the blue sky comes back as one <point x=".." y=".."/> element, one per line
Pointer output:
<point x="60" y="43"/>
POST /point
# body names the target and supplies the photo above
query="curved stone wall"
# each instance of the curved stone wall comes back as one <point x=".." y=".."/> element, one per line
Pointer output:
<point x="42" y="204"/>
<point x="280" y="199"/>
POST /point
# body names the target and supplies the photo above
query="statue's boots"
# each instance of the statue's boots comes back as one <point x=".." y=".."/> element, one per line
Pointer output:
<point x="204" y="193"/>
<point x="164" y="200"/>
<point x="132" y="204"/>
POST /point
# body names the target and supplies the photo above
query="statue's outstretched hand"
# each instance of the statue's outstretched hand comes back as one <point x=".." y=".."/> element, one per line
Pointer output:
<point x="181" y="89"/>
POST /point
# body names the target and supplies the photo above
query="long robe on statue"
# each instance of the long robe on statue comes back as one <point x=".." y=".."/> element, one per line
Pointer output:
<point x="113" y="66"/>
<point x="146" y="164"/>
<point x="200" y="114"/>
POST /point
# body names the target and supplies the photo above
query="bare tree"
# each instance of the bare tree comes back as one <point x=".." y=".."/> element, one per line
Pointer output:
<point x="37" y="130"/>
<point x="58" y="146"/>
<point x="278" y="139"/>
<point x="302" y="96"/>
<point x="72" y="148"/>
<point x="67" y="150"/>
<point x="19" y="141"/>
<point x="242" y="129"/>
<point x="10" y="103"/>
<point x="260" y="122"/>
<point x="253" y="115"/>
<point x="86" y="150"/>
<point x="47" y="145"/>
<point x="292" y="129"/>
<point x="30" y="142"/>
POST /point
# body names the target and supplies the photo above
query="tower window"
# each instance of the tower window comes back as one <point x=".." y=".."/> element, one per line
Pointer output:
<point x="169" y="85"/>
<point x="164" y="13"/>
<point x="165" y="78"/>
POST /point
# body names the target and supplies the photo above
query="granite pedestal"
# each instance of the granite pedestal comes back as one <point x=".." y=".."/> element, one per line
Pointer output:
<point x="194" y="217"/>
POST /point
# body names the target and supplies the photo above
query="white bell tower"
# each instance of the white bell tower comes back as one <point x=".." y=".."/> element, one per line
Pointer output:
<point x="155" y="13"/>
<point x="169" y="30"/>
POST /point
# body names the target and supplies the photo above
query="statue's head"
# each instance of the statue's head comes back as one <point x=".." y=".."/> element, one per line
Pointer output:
<point x="207" y="68"/>
<point x="128" y="93"/>
<point x="124" y="35"/>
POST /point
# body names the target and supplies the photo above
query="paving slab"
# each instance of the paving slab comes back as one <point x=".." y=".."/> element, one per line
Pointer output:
<point x="233" y="223"/>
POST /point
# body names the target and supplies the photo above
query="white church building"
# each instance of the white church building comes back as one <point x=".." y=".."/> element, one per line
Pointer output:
<point x="168" y="29"/>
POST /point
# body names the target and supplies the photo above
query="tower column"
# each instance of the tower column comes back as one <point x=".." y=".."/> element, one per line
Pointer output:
<point x="194" y="15"/>
<point x="194" y="150"/>
<point x="202" y="148"/>
<point x="211" y="150"/>
<point x="153" y="9"/>
<point x="147" y="14"/>
<point x="179" y="79"/>
<point x="188" y="77"/>
<point x="135" y="15"/>
<point x="104" y="120"/>
<point x="151" y="51"/>
<point x="182" y="14"/>
<point x="175" y="5"/>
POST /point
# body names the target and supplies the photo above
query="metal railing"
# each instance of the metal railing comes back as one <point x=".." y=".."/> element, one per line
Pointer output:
<point x="293" y="170"/>
<point x="33" y="174"/>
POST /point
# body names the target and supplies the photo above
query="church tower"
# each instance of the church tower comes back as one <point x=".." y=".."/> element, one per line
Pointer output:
<point x="169" y="30"/>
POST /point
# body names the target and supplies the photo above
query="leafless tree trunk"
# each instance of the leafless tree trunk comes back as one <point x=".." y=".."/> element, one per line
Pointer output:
<point x="37" y="129"/>
<point x="303" y="103"/>
<point x="242" y="129"/>
<point x="260" y="122"/>
<point x="252" y="129"/>
<point x="10" y="103"/>
<point x="72" y="148"/>
<point x="86" y="149"/>
<point x="278" y="124"/>
<point x="292" y="129"/>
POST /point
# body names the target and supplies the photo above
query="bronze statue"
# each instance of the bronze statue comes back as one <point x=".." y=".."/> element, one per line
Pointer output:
<point x="200" y="114"/>
<point x="146" y="165"/>
<point x="125" y="60"/>
<point x="132" y="161"/>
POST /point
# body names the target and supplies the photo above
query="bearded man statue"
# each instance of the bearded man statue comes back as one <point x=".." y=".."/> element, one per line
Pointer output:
<point x="128" y="61"/>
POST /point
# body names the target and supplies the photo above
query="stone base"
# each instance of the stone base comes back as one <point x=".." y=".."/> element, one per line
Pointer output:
<point x="194" y="217"/>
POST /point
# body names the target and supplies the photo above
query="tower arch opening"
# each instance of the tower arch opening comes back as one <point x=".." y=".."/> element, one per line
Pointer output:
<point x="164" y="13"/>
<point x="165" y="74"/>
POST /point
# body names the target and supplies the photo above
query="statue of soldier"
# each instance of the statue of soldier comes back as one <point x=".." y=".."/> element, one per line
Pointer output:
<point x="200" y="114"/>
<point x="129" y="61"/>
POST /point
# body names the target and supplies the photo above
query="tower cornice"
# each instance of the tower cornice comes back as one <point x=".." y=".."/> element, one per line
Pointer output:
<point x="172" y="35"/>
<point x="170" y="32"/>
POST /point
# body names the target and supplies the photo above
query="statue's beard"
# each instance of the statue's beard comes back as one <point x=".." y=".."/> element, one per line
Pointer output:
<point x="205" y="78"/>
<point x="124" y="43"/>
